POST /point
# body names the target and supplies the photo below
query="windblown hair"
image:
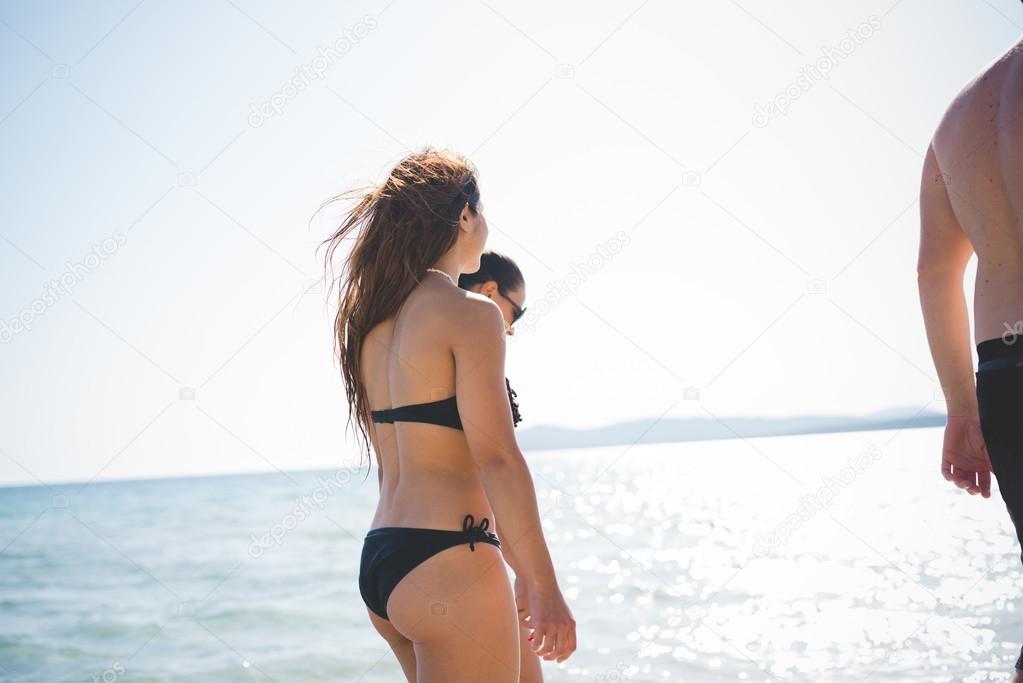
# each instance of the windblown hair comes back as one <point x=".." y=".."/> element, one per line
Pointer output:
<point x="497" y="267"/>
<point x="400" y="228"/>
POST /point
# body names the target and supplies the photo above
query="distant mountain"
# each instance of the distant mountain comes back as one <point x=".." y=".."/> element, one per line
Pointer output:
<point x="674" y="429"/>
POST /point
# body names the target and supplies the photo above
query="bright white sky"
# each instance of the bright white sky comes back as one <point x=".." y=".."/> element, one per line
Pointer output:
<point x="134" y="123"/>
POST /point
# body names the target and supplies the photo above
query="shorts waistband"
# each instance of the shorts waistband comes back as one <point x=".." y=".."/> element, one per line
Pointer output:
<point x="1000" y="352"/>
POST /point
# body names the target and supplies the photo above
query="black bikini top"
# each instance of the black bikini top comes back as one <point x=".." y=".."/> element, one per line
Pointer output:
<point x="443" y="412"/>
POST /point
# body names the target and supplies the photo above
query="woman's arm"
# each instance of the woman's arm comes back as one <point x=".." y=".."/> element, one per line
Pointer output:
<point x="509" y="553"/>
<point x="479" y="352"/>
<point x="529" y="663"/>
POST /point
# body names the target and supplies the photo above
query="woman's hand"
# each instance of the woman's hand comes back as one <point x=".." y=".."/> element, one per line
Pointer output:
<point x="964" y="458"/>
<point x="522" y="599"/>
<point x="549" y="618"/>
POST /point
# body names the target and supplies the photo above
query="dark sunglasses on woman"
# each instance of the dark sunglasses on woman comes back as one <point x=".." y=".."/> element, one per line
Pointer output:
<point x="516" y="311"/>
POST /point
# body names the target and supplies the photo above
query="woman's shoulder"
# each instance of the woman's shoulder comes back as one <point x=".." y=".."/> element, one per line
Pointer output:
<point x="452" y="309"/>
<point x="477" y="314"/>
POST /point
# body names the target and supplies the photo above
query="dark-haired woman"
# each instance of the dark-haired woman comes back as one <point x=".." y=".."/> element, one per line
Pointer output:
<point x="500" y="280"/>
<point x="423" y="368"/>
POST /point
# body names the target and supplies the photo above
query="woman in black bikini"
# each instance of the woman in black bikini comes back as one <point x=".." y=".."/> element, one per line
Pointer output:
<point x="423" y="368"/>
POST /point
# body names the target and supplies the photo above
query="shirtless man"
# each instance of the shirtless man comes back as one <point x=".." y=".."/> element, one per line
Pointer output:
<point x="971" y="201"/>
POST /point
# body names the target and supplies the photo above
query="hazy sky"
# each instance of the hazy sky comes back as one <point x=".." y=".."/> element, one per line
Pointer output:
<point x="714" y="195"/>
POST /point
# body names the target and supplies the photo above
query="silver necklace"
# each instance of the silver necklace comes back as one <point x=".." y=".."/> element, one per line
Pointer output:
<point x="442" y="273"/>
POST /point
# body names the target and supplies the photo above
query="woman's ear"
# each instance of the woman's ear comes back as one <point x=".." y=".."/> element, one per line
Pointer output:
<point x="488" y="288"/>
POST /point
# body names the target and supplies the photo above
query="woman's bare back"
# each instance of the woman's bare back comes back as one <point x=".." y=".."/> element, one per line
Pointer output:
<point x="429" y="478"/>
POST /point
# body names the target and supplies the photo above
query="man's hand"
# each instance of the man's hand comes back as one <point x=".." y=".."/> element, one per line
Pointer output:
<point x="964" y="458"/>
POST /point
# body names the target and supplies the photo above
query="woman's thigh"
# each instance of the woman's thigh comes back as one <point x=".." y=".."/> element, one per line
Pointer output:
<point x="458" y="610"/>
<point x="529" y="663"/>
<point x="400" y="645"/>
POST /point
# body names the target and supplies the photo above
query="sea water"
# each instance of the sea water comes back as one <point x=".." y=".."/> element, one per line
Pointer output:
<point x="841" y="557"/>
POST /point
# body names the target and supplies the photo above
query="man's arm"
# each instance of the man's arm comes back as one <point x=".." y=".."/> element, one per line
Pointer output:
<point x="944" y="252"/>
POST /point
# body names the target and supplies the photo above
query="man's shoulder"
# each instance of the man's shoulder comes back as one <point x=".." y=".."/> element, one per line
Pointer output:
<point x="978" y="103"/>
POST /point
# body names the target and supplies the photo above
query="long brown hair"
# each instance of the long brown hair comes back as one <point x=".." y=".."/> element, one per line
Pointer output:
<point x="402" y="228"/>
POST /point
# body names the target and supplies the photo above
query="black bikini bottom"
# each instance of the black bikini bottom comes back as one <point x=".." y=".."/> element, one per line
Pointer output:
<point x="391" y="552"/>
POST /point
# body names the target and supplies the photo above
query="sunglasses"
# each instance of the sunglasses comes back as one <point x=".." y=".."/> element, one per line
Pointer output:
<point x="516" y="311"/>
